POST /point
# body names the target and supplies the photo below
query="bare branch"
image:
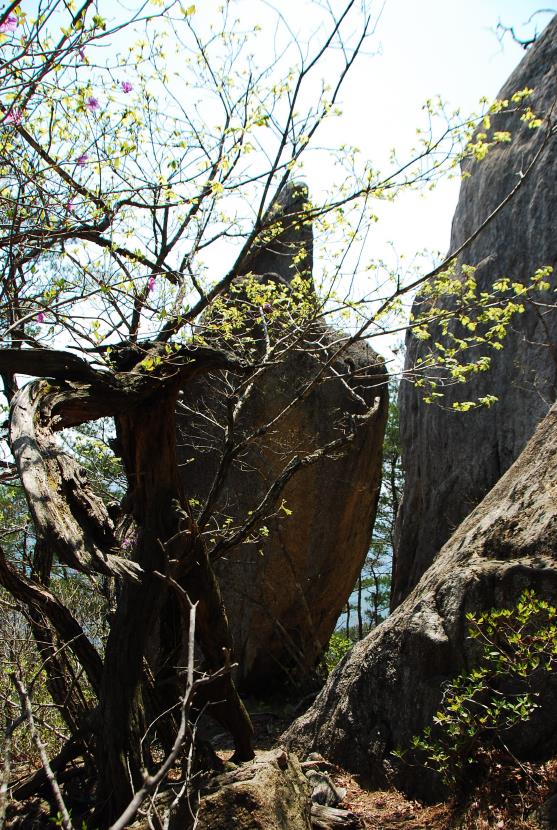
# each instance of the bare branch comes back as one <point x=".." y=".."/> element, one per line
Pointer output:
<point x="151" y="782"/>
<point x="67" y="627"/>
<point x="273" y="493"/>
<point x="26" y="709"/>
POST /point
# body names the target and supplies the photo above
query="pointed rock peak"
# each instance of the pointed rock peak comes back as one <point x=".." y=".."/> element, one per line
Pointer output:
<point x="285" y="244"/>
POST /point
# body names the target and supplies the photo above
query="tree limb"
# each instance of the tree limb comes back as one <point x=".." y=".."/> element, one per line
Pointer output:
<point x="68" y="516"/>
<point x="66" y="821"/>
<point x="66" y="626"/>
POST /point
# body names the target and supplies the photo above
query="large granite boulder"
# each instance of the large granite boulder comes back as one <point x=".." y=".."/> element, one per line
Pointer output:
<point x="451" y="459"/>
<point x="389" y="686"/>
<point x="286" y="585"/>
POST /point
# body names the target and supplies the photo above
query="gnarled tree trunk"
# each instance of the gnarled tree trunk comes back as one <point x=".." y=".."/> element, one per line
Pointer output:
<point x="140" y="679"/>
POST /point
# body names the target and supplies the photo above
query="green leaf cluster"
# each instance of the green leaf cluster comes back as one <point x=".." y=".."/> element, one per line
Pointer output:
<point x="515" y="648"/>
<point x="339" y="645"/>
<point x="460" y="326"/>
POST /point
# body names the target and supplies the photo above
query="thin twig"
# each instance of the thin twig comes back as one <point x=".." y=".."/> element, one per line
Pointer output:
<point x="151" y="782"/>
<point x="65" y="820"/>
<point x="4" y="783"/>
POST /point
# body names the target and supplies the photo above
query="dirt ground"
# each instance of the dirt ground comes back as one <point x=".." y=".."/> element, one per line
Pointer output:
<point x="380" y="809"/>
<point x="389" y="809"/>
<point x="509" y="800"/>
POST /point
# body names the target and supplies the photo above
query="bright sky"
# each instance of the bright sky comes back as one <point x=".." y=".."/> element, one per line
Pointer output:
<point x="421" y="49"/>
<point x="427" y="48"/>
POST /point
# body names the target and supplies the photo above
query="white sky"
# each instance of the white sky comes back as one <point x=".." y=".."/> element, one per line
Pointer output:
<point x="427" y="48"/>
<point x="421" y="49"/>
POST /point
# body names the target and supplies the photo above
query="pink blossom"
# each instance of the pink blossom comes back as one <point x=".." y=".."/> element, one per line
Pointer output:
<point x="126" y="86"/>
<point x="14" y="117"/>
<point x="150" y="283"/>
<point x="70" y="207"/>
<point x="130" y="540"/>
<point x="40" y="317"/>
<point x="82" y="159"/>
<point x="92" y="103"/>
<point x="81" y="52"/>
<point x="9" y="24"/>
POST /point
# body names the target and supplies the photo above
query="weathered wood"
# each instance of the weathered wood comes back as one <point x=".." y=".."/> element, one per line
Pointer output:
<point x="68" y="516"/>
<point x="49" y="363"/>
<point x="329" y="818"/>
<point x="73" y="522"/>
<point x="323" y="789"/>
<point x="147" y="441"/>
<point x="183" y="363"/>
<point x="36" y="782"/>
<point x="269" y="792"/>
<point x="224" y="703"/>
<point x="148" y="620"/>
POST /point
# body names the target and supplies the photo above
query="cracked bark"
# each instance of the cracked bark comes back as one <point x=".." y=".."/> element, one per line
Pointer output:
<point x="68" y="516"/>
<point x="73" y="524"/>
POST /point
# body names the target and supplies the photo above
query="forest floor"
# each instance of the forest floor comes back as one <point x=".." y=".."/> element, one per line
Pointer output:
<point x="510" y="799"/>
<point x="378" y="810"/>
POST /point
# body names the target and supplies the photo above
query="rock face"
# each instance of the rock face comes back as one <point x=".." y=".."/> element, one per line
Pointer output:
<point x="451" y="460"/>
<point x="290" y="252"/>
<point x="284" y="589"/>
<point x="270" y="793"/>
<point x="388" y="687"/>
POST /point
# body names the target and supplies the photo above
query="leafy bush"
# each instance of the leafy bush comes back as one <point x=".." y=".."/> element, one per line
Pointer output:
<point x="339" y="645"/>
<point x="516" y="647"/>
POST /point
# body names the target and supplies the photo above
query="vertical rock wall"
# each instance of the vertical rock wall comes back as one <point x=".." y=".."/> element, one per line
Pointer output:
<point x="451" y="460"/>
<point x="389" y="686"/>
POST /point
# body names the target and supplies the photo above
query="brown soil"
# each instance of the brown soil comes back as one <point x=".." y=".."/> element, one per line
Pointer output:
<point x="389" y="809"/>
<point x="509" y="799"/>
<point x="379" y="809"/>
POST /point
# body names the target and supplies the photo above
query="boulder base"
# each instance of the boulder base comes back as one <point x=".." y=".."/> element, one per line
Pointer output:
<point x="389" y="686"/>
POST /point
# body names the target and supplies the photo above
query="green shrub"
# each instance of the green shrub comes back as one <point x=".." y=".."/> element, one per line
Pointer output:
<point x="516" y="646"/>
<point x="339" y="645"/>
